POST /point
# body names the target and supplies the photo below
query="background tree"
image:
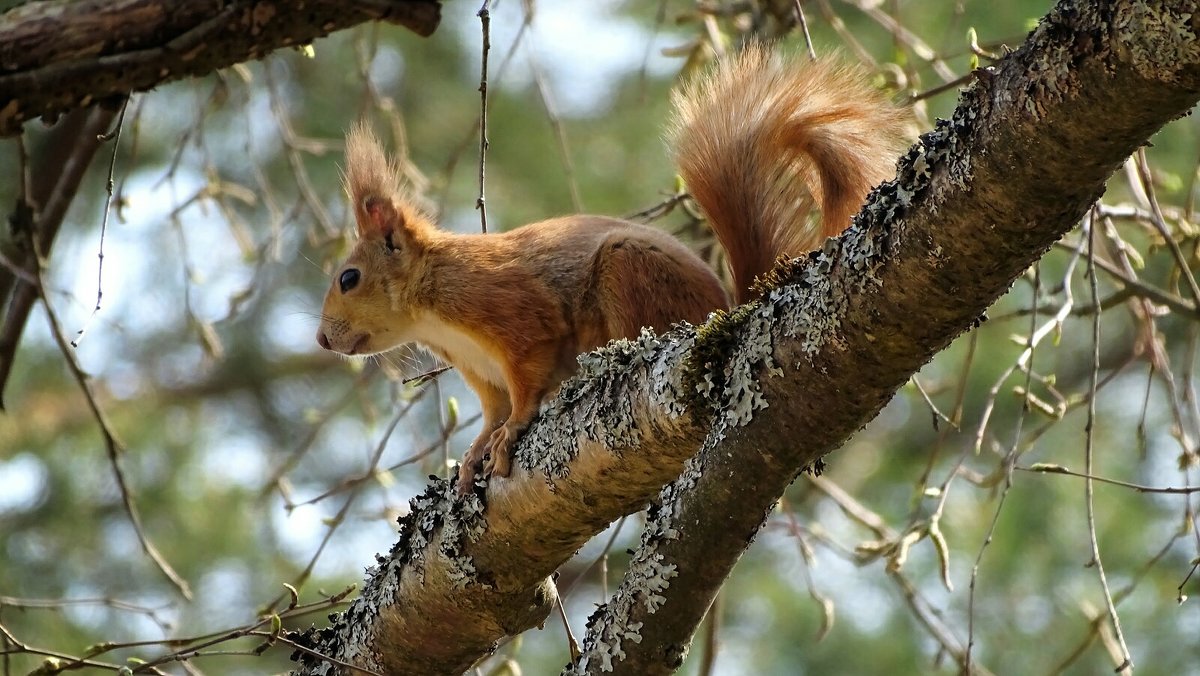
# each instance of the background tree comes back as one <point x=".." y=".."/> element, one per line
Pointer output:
<point x="255" y="461"/>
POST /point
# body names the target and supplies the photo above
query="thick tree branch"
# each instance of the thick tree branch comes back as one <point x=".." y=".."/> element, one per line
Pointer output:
<point x="979" y="199"/>
<point x="57" y="55"/>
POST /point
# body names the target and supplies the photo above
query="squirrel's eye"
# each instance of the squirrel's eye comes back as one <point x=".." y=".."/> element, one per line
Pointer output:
<point x="349" y="279"/>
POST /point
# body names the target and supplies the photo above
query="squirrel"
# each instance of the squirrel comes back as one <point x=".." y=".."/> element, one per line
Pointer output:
<point x="760" y="142"/>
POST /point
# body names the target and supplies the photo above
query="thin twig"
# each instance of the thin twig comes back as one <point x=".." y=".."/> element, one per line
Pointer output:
<point x="601" y="559"/>
<point x="295" y="146"/>
<point x="572" y="643"/>
<point x="560" y="132"/>
<point x="937" y="414"/>
<point x="347" y="484"/>
<point x="812" y="54"/>
<point x="1089" y="440"/>
<point x="20" y="647"/>
<point x="460" y="147"/>
<point x="1052" y="324"/>
<point x="197" y="644"/>
<point x="1046" y="468"/>
<point x="422" y="378"/>
<point x="115" y="137"/>
<point x="340" y="517"/>
<point x="711" y="630"/>
<point x="944" y="87"/>
<point x="56" y="180"/>
<point x="485" y="21"/>
<point x="808" y="556"/>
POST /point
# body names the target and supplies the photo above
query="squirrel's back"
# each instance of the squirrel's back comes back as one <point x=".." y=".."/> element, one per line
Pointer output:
<point x="761" y="141"/>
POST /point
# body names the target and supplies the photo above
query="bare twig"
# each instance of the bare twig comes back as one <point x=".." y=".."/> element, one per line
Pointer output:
<point x="572" y="642"/>
<point x="427" y="376"/>
<point x="712" y="627"/>
<point x="301" y="449"/>
<point x="560" y="132"/>
<point x="800" y="18"/>
<point x="461" y="147"/>
<point x="1160" y="223"/>
<point x="937" y="413"/>
<point x="1046" y="468"/>
<point x="115" y="137"/>
<point x="340" y="517"/>
<point x="1089" y="439"/>
<point x="806" y="553"/>
<point x="485" y="21"/>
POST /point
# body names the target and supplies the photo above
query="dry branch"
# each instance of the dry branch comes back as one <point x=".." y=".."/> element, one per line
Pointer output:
<point x="57" y="55"/>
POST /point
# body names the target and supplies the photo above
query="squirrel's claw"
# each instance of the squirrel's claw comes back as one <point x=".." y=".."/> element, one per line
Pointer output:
<point x="472" y="465"/>
<point x="466" y="479"/>
<point x="498" y="453"/>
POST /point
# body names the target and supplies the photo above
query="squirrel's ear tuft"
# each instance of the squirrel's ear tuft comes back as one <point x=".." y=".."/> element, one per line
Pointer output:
<point x="381" y="206"/>
<point x="372" y="180"/>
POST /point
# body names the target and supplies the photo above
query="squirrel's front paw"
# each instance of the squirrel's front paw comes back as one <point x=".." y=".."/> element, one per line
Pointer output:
<point x="498" y="461"/>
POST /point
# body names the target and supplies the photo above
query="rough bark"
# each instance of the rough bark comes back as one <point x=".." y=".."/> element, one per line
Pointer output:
<point x="775" y="385"/>
<point x="57" y="55"/>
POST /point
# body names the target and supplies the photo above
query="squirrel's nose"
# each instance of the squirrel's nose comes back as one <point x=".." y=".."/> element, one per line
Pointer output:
<point x="322" y="340"/>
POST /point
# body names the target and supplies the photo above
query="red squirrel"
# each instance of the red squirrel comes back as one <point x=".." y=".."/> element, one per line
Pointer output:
<point x="760" y="142"/>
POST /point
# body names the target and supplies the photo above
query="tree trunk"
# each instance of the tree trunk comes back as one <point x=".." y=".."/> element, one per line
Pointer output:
<point x="786" y="380"/>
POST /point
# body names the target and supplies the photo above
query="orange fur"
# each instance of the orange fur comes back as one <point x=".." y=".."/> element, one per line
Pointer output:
<point x="760" y="143"/>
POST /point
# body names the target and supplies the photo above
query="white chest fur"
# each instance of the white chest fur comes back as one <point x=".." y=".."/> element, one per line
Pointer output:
<point x="452" y="344"/>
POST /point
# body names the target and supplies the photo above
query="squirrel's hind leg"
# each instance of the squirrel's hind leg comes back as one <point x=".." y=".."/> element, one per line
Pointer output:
<point x="653" y="283"/>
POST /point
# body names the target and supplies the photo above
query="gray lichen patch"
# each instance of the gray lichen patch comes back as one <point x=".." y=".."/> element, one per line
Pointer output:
<point x="742" y="393"/>
<point x="1048" y="78"/>
<point x="598" y="404"/>
<point x="461" y="522"/>
<point x="1161" y="38"/>
<point x="722" y="371"/>
<point x="818" y="290"/>
<point x="642" y="590"/>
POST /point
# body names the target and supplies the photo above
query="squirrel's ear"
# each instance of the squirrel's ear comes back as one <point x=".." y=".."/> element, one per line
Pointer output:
<point x="378" y="217"/>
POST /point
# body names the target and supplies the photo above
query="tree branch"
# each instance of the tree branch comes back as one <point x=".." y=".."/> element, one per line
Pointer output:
<point x="978" y="200"/>
<point x="57" y="55"/>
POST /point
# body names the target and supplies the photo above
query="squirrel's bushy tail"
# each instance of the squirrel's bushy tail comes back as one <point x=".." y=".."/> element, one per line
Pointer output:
<point x="760" y="141"/>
